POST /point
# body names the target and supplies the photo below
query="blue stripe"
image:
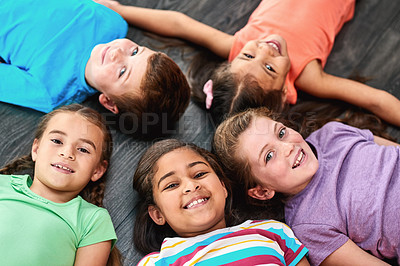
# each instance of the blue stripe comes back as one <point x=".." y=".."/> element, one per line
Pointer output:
<point x="290" y="242"/>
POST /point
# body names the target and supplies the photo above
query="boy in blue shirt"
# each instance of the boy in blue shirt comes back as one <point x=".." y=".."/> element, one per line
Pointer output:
<point x="54" y="53"/>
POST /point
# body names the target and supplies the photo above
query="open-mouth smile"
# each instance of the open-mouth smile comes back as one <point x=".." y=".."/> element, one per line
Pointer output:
<point x="195" y="202"/>
<point x="299" y="159"/>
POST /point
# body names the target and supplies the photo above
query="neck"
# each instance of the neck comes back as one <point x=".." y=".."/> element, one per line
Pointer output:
<point x="51" y="194"/>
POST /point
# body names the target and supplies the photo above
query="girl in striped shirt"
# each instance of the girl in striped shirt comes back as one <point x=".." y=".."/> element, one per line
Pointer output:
<point x="185" y="209"/>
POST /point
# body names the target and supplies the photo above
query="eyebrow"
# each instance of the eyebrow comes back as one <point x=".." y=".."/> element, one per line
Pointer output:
<point x="173" y="172"/>
<point x="128" y="75"/>
<point x="91" y="143"/>
<point x="266" y="145"/>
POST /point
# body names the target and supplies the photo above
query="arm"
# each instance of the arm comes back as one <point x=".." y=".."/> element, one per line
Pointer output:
<point x="352" y="255"/>
<point x="96" y="254"/>
<point x="21" y="88"/>
<point x="174" y="24"/>
<point x="303" y="262"/>
<point x="315" y="81"/>
<point x="384" y="142"/>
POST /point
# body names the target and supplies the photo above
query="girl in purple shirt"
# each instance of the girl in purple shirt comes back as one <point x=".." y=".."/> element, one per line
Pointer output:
<point x="340" y="185"/>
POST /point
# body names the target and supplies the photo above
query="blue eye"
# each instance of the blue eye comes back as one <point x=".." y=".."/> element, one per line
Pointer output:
<point x="123" y="70"/>
<point x="282" y="132"/>
<point x="56" y="141"/>
<point x="269" y="68"/>
<point x="269" y="156"/>
<point x="248" y="56"/>
<point x="135" y="52"/>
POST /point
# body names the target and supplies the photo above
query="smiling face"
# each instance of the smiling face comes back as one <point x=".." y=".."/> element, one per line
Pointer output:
<point x="67" y="157"/>
<point x="188" y="194"/>
<point x="278" y="156"/>
<point x="265" y="59"/>
<point x="117" y="67"/>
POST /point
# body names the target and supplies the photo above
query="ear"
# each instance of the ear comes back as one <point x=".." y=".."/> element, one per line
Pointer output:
<point x="285" y="90"/>
<point x="226" y="191"/>
<point x="99" y="171"/>
<point x="108" y="103"/>
<point x="35" y="147"/>
<point x="156" y="215"/>
<point x="261" y="193"/>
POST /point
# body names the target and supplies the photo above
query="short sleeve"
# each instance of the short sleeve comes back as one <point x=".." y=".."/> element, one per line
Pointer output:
<point x="19" y="87"/>
<point x="283" y="235"/>
<point x="335" y="134"/>
<point x="317" y="236"/>
<point x="99" y="229"/>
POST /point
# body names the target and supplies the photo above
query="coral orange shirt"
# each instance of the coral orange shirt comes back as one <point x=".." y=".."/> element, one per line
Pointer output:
<point x="309" y="28"/>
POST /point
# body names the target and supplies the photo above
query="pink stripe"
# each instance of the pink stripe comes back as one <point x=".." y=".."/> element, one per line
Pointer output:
<point x="254" y="260"/>
<point x="188" y="257"/>
<point x="289" y="254"/>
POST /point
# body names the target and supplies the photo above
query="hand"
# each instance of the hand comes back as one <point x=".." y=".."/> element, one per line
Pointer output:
<point x="111" y="4"/>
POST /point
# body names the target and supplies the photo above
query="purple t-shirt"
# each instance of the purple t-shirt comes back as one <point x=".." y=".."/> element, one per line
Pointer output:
<point x="354" y="194"/>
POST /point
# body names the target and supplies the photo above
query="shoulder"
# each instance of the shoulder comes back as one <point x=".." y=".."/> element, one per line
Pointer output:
<point x="269" y="228"/>
<point x="91" y="210"/>
<point x="95" y="225"/>
<point x="283" y="238"/>
<point x="18" y="182"/>
<point x="149" y="259"/>
<point x="334" y="133"/>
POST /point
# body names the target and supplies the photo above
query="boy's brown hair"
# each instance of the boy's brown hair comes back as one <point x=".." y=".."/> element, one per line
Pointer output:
<point x="165" y="94"/>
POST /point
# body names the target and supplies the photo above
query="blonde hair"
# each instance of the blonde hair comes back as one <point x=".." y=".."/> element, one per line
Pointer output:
<point x="237" y="168"/>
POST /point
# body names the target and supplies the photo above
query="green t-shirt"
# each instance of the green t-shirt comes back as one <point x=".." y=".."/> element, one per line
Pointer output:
<point x="36" y="231"/>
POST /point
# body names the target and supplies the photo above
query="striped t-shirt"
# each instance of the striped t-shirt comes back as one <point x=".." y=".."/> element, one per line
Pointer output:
<point x="250" y="243"/>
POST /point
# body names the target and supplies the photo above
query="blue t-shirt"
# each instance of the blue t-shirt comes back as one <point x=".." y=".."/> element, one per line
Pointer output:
<point x="46" y="44"/>
<point x="353" y="195"/>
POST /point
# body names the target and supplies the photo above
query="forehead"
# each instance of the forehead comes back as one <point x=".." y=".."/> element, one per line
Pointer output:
<point x="178" y="159"/>
<point x="260" y="132"/>
<point x="74" y="124"/>
<point x="242" y="66"/>
<point x="261" y="126"/>
<point x="138" y="68"/>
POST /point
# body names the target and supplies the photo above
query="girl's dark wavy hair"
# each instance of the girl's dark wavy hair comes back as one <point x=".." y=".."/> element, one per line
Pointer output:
<point x="148" y="236"/>
<point x="231" y="93"/>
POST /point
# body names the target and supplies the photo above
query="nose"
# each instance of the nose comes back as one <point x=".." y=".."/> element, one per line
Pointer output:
<point x="116" y="53"/>
<point x="287" y="148"/>
<point x="265" y="48"/>
<point x="67" y="153"/>
<point x="191" y="186"/>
